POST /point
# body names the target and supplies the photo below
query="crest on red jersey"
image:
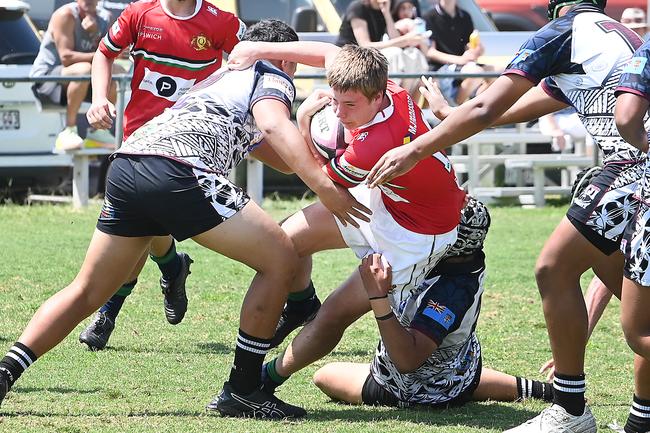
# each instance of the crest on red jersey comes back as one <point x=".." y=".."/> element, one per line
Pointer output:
<point x="200" y="42"/>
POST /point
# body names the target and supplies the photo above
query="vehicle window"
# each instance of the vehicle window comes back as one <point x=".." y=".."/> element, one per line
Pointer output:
<point x="18" y="42"/>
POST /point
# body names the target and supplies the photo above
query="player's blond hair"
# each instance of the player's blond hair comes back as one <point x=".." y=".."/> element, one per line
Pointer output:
<point x="359" y="68"/>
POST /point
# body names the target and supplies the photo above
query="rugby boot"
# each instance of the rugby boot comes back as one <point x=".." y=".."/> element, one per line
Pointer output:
<point x="555" y="419"/>
<point x="258" y="404"/>
<point x="295" y="316"/>
<point x="174" y="290"/>
<point x="96" y="335"/>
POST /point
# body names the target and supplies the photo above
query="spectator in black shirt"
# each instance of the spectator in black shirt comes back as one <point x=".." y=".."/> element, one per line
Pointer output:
<point x="366" y="21"/>
<point x="450" y="51"/>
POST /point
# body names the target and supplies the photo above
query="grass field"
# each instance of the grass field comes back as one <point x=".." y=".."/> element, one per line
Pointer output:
<point x="158" y="377"/>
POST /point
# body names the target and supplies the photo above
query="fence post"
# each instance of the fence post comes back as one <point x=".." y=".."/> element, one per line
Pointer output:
<point x="119" y="109"/>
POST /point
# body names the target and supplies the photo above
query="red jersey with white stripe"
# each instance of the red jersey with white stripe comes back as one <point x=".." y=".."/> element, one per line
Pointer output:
<point x="171" y="53"/>
<point x="425" y="200"/>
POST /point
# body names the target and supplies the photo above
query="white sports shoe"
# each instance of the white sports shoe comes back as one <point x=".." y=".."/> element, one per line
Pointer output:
<point x="99" y="138"/>
<point x="555" y="419"/>
<point x="68" y="139"/>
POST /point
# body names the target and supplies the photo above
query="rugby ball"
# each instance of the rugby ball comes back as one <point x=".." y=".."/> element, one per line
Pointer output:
<point x="327" y="133"/>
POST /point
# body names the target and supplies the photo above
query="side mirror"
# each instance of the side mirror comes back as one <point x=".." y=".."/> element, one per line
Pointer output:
<point x="305" y="19"/>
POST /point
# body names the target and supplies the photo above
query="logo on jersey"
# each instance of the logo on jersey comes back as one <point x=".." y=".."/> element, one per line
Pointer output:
<point x="212" y="10"/>
<point x="165" y="86"/>
<point x="361" y="136"/>
<point x="522" y="55"/>
<point x="275" y="82"/>
<point x="440" y="313"/>
<point x="587" y="196"/>
<point x="635" y="65"/>
<point x="115" y="28"/>
<point x="200" y="42"/>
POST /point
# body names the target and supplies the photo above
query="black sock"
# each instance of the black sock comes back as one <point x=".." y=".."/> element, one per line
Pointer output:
<point x="113" y="306"/>
<point x="300" y="299"/>
<point x="527" y="388"/>
<point x="639" y="419"/>
<point x="169" y="264"/>
<point x="16" y="362"/>
<point x="249" y="355"/>
<point x="569" y="392"/>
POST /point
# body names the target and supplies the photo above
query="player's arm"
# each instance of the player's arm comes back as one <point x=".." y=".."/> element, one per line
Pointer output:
<point x="312" y="53"/>
<point x="265" y="154"/>
<point x="101" y="113"/>
<point x="273" y="120"/>
<point x="471" y="117"/>
<point x="629" y="112"/>
<point x="116" y="40"/>
<point x="62" y="28"/>
<point x="532" y="105"/>
<point x="407" y="348"/>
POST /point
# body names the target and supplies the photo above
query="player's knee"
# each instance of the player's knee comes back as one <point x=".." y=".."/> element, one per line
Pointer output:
<point x="636" y="336"/>
<point x="321" y="378"/>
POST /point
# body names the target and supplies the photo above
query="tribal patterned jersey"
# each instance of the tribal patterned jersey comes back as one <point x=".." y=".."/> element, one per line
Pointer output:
<point x="445" y="308"/>
<point x="211" y="127"/>
<point x="579" y="57"/>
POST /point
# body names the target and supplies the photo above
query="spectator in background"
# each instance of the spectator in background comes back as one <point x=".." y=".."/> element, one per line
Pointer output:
<point x="67" y="49"/>
<point x="451" y="51"/>
<point x="367" y="21"/>
<point x="635" y="19"/>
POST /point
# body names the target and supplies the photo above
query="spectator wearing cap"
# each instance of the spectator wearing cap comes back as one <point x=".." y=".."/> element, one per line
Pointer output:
<point x="635" y="19"/>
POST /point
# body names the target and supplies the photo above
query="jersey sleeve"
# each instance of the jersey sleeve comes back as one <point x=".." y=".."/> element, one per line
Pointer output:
<point x="272" y="83"/>
<point x="635" y="77"/>
<point x="352" y="167"/>
<point x="443" y="306"/>
<point x="234" y="30"/>
<point x="121" y="34"/>
<point x="546" y="53"/>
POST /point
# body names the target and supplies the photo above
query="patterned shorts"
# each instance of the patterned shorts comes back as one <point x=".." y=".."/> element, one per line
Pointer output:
<point x="156" y="196"/>
<point x="606" y="206"/>
<point x="636" y="247"/>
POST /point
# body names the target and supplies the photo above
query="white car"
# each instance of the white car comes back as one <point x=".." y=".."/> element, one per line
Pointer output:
<point x="27" y="133"/>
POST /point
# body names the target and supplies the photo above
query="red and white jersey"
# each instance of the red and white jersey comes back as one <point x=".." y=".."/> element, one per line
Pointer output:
<point x="171" y="53"/>
<point x="425" y="200"/>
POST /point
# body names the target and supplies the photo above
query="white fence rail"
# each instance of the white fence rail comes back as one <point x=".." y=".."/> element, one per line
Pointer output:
<point x="485" y="151"/>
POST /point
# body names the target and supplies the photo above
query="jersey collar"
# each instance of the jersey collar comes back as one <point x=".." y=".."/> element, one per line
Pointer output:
<point x="199" y="3"/>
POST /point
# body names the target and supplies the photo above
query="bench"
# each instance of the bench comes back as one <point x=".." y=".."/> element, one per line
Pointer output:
<point x="77" y="159"/>
<point x="539" y="163"/>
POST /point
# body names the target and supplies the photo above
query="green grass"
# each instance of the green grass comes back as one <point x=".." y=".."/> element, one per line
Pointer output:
<point x="157" y="377"/>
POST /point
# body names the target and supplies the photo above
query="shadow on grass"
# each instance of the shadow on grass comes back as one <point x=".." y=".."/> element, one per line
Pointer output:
<point x="492" y="416"/>
<point x="217" y="348"/>
<point x="58" y="390"/>
<point x="178" y="413"/>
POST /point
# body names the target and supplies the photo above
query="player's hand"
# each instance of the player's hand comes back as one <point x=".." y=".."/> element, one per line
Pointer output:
<point x="384" y="6"/>
<point x="438" y="104"/>
<point x="471" y="55"/>
<point x="243" y="55"/>
<point x="314" y="102"/>
<point x="343" y="205"/>
<point x="101" y="114"/>
<point x="393" y="163"/>
<point x="550" y="367"/>
<point x="376" y="275"/>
